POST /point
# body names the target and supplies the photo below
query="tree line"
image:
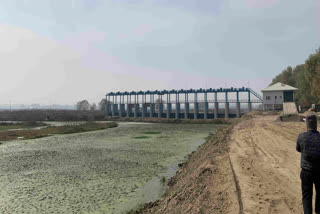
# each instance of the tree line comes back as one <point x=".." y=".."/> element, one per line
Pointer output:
<point x="305" y="77"/>
<point x="84" y="105"/>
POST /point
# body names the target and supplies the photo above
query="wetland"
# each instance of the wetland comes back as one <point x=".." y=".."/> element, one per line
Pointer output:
<point x="107" y="171"/>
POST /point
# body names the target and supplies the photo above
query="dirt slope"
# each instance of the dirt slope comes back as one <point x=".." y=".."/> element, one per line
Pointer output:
<point x="204" y="185"/>
<point x="251" y="167"/>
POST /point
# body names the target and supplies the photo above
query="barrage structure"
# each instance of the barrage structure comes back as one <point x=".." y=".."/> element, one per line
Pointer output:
<point x="176" y="103"/>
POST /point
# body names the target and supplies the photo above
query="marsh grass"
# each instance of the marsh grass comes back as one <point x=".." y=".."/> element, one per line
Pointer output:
<point x="142" y="137"/>
<point x="163" y="137"/>
<point x="21" y="125"/>
<point x="163" y="179"/>
<point x="52" y="130"/>
<point x="151" y="132"/>
<point x="209" y="136"/>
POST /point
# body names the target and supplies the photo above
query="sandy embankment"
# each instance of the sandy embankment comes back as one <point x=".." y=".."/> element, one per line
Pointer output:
<point x="251" y="167"/>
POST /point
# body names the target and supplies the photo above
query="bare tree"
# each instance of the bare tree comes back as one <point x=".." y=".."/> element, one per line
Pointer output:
<point x="93" y="107"/>
<point x="102" y="105"/>
<point x="83" y="105"/>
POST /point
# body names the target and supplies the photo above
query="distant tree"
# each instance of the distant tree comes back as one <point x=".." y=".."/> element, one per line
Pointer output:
<point x="93" y="107"/>
<point x="316" y="83"/>
<point x="83" y="105"/>
<point x="102" y="105"/>
<point x="303" y="96"/>
<point x="306" y="78"/>
<point x="287" y="76"/>
<point x="310" y="78"/>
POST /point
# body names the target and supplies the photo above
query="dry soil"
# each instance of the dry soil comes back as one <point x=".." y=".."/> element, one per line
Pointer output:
<point x="250" y="167"/>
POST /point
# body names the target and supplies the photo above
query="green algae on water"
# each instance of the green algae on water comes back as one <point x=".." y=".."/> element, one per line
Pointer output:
<point x="142" y="137"/>
<point x="105" y="171"/>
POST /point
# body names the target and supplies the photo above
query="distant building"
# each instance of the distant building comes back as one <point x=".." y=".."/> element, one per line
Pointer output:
<point x="275" y="95"/>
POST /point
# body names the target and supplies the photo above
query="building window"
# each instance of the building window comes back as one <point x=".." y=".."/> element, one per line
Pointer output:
<point x="268" y="98"/>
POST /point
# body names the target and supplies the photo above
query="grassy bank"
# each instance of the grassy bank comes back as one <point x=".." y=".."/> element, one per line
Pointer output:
<point x="20" y="125"/>
<point x="6" y="134"/>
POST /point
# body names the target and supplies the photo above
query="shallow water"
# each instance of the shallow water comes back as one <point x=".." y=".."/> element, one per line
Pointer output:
<point x="108" y="171"/>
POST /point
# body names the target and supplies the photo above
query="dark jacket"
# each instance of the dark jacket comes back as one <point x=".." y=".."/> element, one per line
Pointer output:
<point x="308" y="144"/>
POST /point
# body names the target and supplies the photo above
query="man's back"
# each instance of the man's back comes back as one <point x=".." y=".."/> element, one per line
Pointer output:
<point x="309" y="145"/>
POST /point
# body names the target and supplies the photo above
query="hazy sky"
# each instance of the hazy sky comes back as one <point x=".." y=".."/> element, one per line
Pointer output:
<point x="62" y="51"/>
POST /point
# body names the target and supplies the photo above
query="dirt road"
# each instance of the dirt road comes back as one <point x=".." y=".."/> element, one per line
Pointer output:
<point x="266" y="165"/>
<point x="250" y="167"/>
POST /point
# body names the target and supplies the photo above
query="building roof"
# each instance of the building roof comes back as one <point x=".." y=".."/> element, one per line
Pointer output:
<point x="279" y="87"/>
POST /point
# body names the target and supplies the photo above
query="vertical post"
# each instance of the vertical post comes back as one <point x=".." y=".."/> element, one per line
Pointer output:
<point x="186" y="107"/>
<point x="238" y="105"/>
<point x="120" y="106"/>
<point x="122" y="110"/>
<point x="160" y="106"/>
<point x="128" y="105"/>
<point x="196" y="106"/>
<point x="113" y="110"/>
<point x="169" y="106"/>
<point x="206" y="106"/>
<point x="226" y="108"/>
<point x="216" y="105"/>
<point x="249" y="102"/>
<point x="152" y="105"/>
<point x="136" y="106"/>
<point x="177" y="106"/>
<point x="143" y="106"/>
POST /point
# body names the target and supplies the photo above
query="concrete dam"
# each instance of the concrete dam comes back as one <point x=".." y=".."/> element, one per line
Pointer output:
<point x="180" y="104"/>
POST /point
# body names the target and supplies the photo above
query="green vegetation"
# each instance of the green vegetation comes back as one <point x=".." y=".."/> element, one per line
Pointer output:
<point x="163" y="137"/>
<point x="151" y="132"/>
<point x="20" y="125"/>
<point x="86" y="127"/>
<point x="51" y="130"/>
<point x="142" y="137"/>
<point x="163" y="179"/>
<point x="306" y="78"/>
<point x="210" y="136"/>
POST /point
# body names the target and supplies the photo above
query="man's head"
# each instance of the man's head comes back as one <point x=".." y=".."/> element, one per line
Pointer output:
<point x="311" y="121"/>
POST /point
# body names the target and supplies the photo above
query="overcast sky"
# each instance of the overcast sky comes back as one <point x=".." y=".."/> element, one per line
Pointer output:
<point x="62" y="51"/>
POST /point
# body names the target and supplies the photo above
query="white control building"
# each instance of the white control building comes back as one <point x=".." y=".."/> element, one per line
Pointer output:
<point x="276" y="95"/>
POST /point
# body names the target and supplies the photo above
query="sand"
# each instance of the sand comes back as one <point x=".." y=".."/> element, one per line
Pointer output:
<point x="267" y="166"/>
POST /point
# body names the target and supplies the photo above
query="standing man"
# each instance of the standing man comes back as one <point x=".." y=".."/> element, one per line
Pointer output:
<point x="308" y="144"/>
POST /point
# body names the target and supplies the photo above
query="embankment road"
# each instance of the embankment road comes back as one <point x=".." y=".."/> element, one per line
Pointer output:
<point x="250" y="167"/>
<point x="266" y="165"/>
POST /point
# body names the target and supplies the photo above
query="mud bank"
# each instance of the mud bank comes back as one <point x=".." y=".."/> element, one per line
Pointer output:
<point x="205" y="183"/>
<point x="108" y="171"/>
